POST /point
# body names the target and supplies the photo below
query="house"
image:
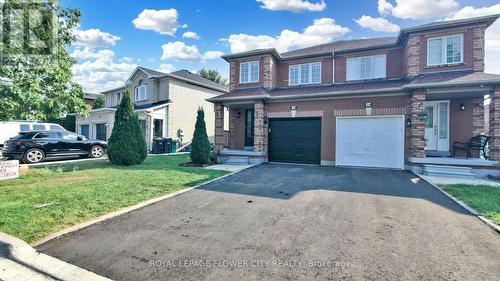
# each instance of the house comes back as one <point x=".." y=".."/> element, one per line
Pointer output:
<point x="90" y="97"/>
<point x="393" y="102"/>
<point x="165" y="103"/>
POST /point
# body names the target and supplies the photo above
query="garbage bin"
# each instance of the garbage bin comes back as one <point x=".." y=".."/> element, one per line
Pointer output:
<point x="173" y="147"/>
<point x="158" y="146"/>
<point x="167" y="144"/>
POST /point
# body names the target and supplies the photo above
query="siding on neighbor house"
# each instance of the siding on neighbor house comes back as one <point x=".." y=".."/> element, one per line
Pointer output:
<point x="186" y="98"/>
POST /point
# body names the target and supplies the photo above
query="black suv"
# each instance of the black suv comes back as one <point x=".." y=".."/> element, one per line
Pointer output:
<point x="36" y="146"/>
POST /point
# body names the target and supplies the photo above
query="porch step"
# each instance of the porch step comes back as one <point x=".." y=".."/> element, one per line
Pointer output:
<point x="448" y="171"/>
<point x="237" y="160"/>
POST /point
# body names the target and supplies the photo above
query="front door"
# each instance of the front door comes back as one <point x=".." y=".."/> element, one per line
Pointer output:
<point x="100" y="132"/>
<point x="437" y="126"/>
<point x="249" y="117"/>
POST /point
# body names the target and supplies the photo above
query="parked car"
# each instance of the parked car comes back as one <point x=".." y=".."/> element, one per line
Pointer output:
<point x="36" y="146"/>
<point x="10" y="129"/>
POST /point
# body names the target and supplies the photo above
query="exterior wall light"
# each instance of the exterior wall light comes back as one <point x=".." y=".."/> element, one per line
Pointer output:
<point x="461" y="107"/>
<point x="238" y="114"/>
<point x="368" y="108"/>
<point x="408" y="122"/>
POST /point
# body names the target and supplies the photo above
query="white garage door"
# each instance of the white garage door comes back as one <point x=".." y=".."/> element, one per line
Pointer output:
<point x="375" y="141"/>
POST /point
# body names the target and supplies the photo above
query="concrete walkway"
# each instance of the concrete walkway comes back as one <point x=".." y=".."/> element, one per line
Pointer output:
<point x="20" y="262"/>
<point x="445" y="181"/>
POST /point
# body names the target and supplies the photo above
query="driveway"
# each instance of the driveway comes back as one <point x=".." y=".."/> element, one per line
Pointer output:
<point x="289" y="222"/>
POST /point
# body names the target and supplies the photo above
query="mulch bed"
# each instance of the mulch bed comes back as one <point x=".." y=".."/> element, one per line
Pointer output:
<point x="191" y="164"/>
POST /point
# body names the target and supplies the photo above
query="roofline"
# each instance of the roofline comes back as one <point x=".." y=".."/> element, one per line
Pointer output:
<point x="111" y="90"/>
<point x="449" y="23"/>
<point x="220" y="89"/>
<point x="271" y="51"/>
<point x="358" y="92"/>
<point x="399" y="38"/>
<point x="153" y="107"/>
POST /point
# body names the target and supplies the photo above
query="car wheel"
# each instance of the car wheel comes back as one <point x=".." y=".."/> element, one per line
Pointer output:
<point x="34" y="155"/>
<point x="96" y="151"/>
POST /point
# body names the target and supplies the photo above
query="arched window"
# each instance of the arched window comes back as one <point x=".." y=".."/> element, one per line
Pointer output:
<point x="140" y="92"/>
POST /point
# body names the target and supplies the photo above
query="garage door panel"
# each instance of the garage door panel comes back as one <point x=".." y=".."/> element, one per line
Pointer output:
<point x="370" y="141"/>
<point x="295" y="140"/>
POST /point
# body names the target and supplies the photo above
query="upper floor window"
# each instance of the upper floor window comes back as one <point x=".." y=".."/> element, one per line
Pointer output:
<point x="307" y="73"/>
<point x="445" y="50"/>
<point x="249" y="72"/>
<point x="118" y="98"/>
<point x="140" y="92"/>
<point x="363" y="68"/>
<point x="113" y="100"/>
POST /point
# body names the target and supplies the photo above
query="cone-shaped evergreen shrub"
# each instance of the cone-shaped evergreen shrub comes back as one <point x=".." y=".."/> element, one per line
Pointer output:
<point x="200" y="152"/>
<point x="126" y="145"/>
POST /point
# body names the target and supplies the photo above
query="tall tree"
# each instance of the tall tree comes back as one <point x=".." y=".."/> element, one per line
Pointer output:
<point x="212" y="74"/>
<point x="39" y="71"/>
<point x="126" y="145"/>
<point x="98" y="102"/>
<point x="200" y="152"/>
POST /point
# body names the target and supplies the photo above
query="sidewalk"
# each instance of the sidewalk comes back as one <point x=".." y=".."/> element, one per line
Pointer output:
<point x="20" y="262"/>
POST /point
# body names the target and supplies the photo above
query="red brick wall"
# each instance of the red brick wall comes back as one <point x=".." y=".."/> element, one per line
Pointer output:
<point x="460" y="121"/>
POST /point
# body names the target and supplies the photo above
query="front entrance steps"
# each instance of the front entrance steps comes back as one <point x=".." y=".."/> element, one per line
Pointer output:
<point x="241" y="157"/>
<point x="448" y="171"/>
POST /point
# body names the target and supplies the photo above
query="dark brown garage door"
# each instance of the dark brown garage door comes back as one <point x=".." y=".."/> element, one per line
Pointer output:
<point x="295" y="140"/>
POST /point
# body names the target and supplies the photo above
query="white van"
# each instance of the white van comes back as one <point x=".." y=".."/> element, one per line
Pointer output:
<point x="11" y="129"/>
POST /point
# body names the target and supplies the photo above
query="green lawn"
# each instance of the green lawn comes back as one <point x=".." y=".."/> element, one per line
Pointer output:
<point x="82" y="191"/>
<point x="485" y="199"/>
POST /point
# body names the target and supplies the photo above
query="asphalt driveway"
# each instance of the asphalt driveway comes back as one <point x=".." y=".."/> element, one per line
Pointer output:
<point x="289" y="222"/>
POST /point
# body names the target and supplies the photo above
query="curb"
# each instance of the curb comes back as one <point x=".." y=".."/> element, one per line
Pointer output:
<point x="127" y="210"/>
<point x="471" y="210"/>
<point x="30" y="261"/>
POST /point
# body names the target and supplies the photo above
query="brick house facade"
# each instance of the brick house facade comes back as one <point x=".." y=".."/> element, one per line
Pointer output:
<point x="429" y="99"/>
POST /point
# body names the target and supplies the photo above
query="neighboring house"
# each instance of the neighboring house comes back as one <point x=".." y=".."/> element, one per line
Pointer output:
<point x="384" y="102"/>
<point x="165" y="103"/>
<point x="90" y="97"/>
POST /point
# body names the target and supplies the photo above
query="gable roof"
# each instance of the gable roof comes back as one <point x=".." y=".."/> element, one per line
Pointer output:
<point x="195" y="77"/>
<point x="344" y="46"/>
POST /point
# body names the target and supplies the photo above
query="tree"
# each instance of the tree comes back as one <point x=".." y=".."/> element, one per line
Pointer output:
<point x="70" y="123"/>
<point x="212" y="74"/>
<point x="40" y="80"/>
<point x="126" y="145"/>
<point x="98" y="102"/>
<point x="200" y="146"/>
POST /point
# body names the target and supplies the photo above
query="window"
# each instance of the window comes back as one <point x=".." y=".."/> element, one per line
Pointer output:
<point x="48" y="135"/>
<point x="24" y="128"/>
<point x="113" y="100"/>
<point x="364" y="68"/>
<point x="56" y="127"/>
<point x="445" y="50"/>
<point x="142" y="125"/>
<point x="140" y="92"/>
<point x="118" y="98"/>
<point x="38" y="127"/>
<point x="308" y="73"/>
<point x="69" y="136"/>
<point x="158" y="128"/>
<point x="249" y="72"/>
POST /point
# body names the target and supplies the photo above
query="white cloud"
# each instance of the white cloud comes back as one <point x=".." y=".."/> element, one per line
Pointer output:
<point x="384" y="7"/>
<point x="162" y="21"/>
<point x="418" y="9"/>
<point x="377" y="24"/>
<point x="492" y="36"/>
<point x="191" y="35"/>
<point x="322" y="30"/>
<point x="100" y="71"/>
<point x="292" y="5"/>
<point x="166" y="68"/>
<point x="94" y="38"/>
<point x="210" y="55"/>
<point x="180" y="51"/>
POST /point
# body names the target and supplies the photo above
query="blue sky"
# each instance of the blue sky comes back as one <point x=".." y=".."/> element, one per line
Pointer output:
<point x="117" y="35"/>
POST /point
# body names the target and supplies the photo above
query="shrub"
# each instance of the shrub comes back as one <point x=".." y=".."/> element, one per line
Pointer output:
<point x="200" y="152"/>
<point x="126" y="145"/>
<point x="98" y="102"/>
